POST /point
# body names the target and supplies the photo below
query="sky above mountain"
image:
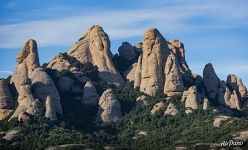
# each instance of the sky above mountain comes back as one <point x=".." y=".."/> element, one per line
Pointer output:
<point x="212" y="31"/>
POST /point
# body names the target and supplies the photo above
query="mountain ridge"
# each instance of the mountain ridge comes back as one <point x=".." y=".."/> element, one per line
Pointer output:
<point x="151" y="77"/>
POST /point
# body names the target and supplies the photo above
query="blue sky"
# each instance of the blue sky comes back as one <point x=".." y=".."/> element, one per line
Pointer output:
<point x="212" y="31"/>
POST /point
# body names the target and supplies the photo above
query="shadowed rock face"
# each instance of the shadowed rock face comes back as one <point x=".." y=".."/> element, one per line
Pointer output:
<point x="211" y="81"/>
<point x="232" y="82"/>
<point x="127" y="51"/>
<point x="94" y="47"/>
<point x="90" y="95"/>
<point x="6" y="98"/>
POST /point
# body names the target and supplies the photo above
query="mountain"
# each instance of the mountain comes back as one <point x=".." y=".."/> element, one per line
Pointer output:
<point x="142" y="98"/>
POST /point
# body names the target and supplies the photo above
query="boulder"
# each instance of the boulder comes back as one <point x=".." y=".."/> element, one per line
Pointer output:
<point x="174" y="82"/>
<point x="6" y="98"/>
<point x="127" y="51"/>
<point x="60" y="63"/>
<point x="211" y="81"/>
<point x="154" y="55"/>
<point x="193" y="98"/>
<point x="94" y="47"/>
<point x="171" y="110"/>
<point x="219" y="120"/>
<point x="141" y="101"/>
<point x="12" y="135"/>
<point x="109" y="107"/>
<point x="205" y="104"/>
<point x="90" y="96"/>
<point x="50" y="107"/>
<point x="157" y="107"/>
<point x="35" y="108"/>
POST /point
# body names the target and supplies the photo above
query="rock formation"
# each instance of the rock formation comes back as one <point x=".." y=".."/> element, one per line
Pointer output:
<point x="155" y="53"/>
<point x="173" y="78"/>
<point x="94" y="47"/>
<point x="6" y="98"/>
<point x="232" y="82"/>
<point x="192" y="99"/>
<point x="50" y="107"/>
<point x="90" y="95"/>
<point x="205" y="104"/>
<point x="178" y="50"/>
<point x="242" y="90"/>
<point x="60" y="63"/>
<point x="44" y="86"/>
<point x="159" y="106"/>
<point x="141" y="101"/>
<point x="219" y="120"/>
<point x="211" y="81"/>
<point x="25" y="96"/>
<point x="171" y="110"/>
<point x="127" y="51"/>
<point x="29" y="74"/>
<point x="109" y="107"/>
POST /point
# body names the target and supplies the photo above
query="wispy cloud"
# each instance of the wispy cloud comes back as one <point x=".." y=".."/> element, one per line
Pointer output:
<point x="6" y="72"/>
<point x="174" y="18"/>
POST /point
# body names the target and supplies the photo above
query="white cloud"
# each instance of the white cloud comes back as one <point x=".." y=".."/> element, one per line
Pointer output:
<point x="6" y="72"/>
<point x="125" y="23"/>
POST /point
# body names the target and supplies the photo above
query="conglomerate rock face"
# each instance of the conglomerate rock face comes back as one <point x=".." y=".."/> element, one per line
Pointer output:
<point x="109" y="107"/>
<point x="94" y="47"/>
<point x="32" y="82"/>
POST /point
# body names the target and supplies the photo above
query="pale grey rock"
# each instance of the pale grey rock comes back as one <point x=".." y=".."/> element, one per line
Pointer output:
<point x="173" y="78"/>
<point x="60" y="63"/>
<point x="193" y="98"/>
<point x="12" y="135"/>
<point x="171" y="110"/>
<point x="242" y="90"/>
<point x="90" y="96"/>
<point x="154" y="54"/>
<point x="25" y="95"/>
<point x="94" y="47"/>
<point x="109" y="107"/>
<point x="50" y="107"/>
<point x="205" y="104"/>
<point x="35" y="108"/>
<point x="219" y="120"/>
<point x="44" y="86"/>
<point x="157" y="107"/>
